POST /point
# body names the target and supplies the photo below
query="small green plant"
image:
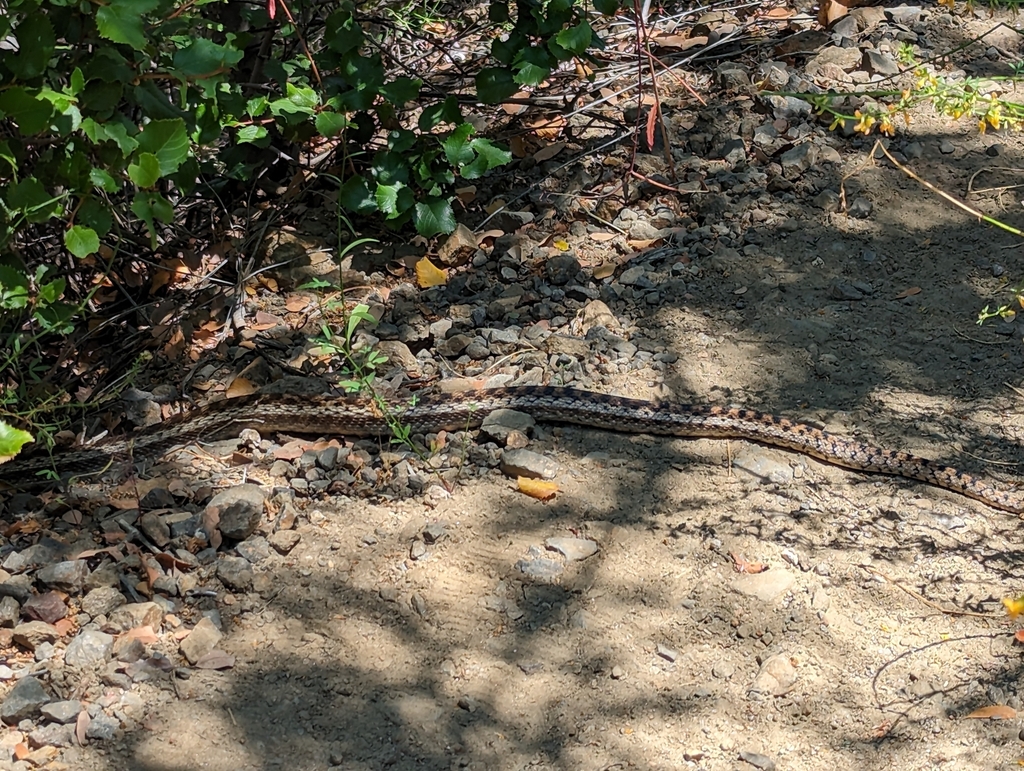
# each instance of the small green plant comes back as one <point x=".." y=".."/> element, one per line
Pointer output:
<point x="1005" y="312"/>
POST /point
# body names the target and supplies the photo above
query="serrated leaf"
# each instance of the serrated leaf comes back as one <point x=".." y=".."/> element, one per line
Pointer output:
<point x="121" y="21"/>
<point x="456" y="146"/>
<point x="167" y="140"/>
<point x="95" y="214"/>
<point x="145" y="171"/>
<point x="495" y="84"/>
<point x="252" y="134"/>
<point x="529" y="74"/>
<point x="51" y="291"/>
<point x="401" y="90"/>
<point x="77" y="82"/>
<point x="330" y="124"/>
<point x="204" y="58"/>
<point x="31" y="114"/>
<point x="81" y="241"/>
<point x="434" y="216"/>
<point x="356" y="196"/>
<point x="36" y="43"/>
<point x="119" y="134"/>
<point x="30" y="197"/>
<point x="576" y="39"/>
<point x="12" y="440"/>
<point x="445" y="112"/>
<point x="387" y="198"/>
<point x="101" y="178"/>
<point x="13" y="288"/>
<point x="428" y="274"/>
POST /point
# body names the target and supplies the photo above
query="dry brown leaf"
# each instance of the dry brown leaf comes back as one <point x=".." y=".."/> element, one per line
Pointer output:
<point x="540" y="489"/>
<point x="518" y="147"/>
<point x="679" y="42"/>
<point x="549" y="152"/>
<point x="995" y="712"/>
<point x="296" y="303"/>
<point x="603" y="235"/>
<point x="240" y="387"/>
<point x="81" y="726"/>
<point x="605" y="269"/>
<point x="908" y="292"/>
<point x="428" y="274"/>
<point x="466" y="194"/>
<point x="1019" y="635"/>
<point x="642" y="243"/>
<point x="143" y="634"/>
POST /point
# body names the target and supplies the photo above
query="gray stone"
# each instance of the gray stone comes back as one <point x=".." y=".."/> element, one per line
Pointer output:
<point x="532" y="465"/>
<point x="860" y="208"/>
<point x="48" y="607"/>
<point x="34" y="633"/>
<point x="89" y="649"/>
<point x="46" y="552"/>
<point x="67" y="576"/>
<point x="155" y="528"/>
<point x="102" y="728"/>
<point x="101" y="601"/>
<point x="240" y="510"/>
<point x="234" y="572"/>
<point x="798" y="159"/>
<point x="24" y="701"/>
<point x="62" y="711"/>
<point x="561" y="269"/>
<point x="201" y="640"/>
<point x="757" y="760"/>
<point x="10" y="612"/>
<point x="880" y="64"/>
<point x="666" y="653"/>
<point x="254" y="549"/>
<point x="500" y="423"/>
<point x="52" y="735"/>
<point x="766" y="587"/>
<point x="540" y="569"/>
<point x="283" y="541"/>
<point x="572" y="549"/>
<point x="136" y="614"/>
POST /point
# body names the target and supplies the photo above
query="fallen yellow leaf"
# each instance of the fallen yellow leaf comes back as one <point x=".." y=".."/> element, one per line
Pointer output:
<point x="995" y="712"/>
<point x="537" y="488"/>
<point x="428" y="275"/>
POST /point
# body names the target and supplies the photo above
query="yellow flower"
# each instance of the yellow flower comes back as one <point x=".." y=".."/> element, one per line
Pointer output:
<point x="1014" y="607"/>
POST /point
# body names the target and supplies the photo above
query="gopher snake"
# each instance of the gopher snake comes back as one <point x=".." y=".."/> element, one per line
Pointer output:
<point x="363" y="417"/>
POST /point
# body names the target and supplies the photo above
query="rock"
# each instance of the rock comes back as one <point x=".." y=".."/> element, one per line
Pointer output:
<point x="200" y="641"/>
<point x="283" y="541"/>
<point x="52" y="735"/>
<point x="48" y="607"/>
<point x="666" y="653"/>
<point x="19" y="588"/>
<point x="860" y="208"/>
<point x="500" y="423"/>
<point x="762" y="762"/>
<point x="239" y="509"/>
<point x="539" y="568"/>
<point x="24" y="701"/>
<point x="776" y="677"/>
<point x="572" y="549"/>
<point x="101" y="601"/>
<point x="102" y="728"/>
<point x="10" y="612"/>
<point x="136" y="614"/>
<point x="254" y="549"/>
<point x="62" y="711"/>
<point x="46" y="552"/>
<point x="90" y="649"/>
<point x="561" y="269"/>
<point x="67" y="576"/>
<point x="235" y="572"/>
<point x="154" y="528"/>
<point x="798" y="159"/>
<point x="880" y="64"/>
<point x="398" y="353"/>
<point x="532" y="465"/>
<point x="767" y="586"/>
<point x="34" y="633"/>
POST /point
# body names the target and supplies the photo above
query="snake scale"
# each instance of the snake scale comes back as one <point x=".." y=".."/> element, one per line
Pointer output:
<point x="341" y="416"/>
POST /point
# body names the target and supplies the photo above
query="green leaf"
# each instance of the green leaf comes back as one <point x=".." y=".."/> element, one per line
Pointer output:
<point x="55" y="318"/>
<point x="13" y="288"/>
<point x="252" y="133"/>
<point x="101" y="178"/>
<point x="7" y="155"/>
<point x="401" y="90"/>
<point x="330" y="124"/>
<point x="387" y="199"/>
<point x="256" y="106"/>
<point x="576" y="39"/>
<point x="28" y="111"/>
<point x="444" y="112"/>
<point x="51" y="292"/>
<point x="12" y="440"/>
<point x="389" y="168"/>
<point x="155" y="102"/>
<point x="29" y="196"/>
<point x="489" y="156"/>
<point x="495" y="84"/>
<point x="36" y="43"/>
<point x="498" y="13"/>
<point x="456" y="146"/>
<point x="356" y="196"/>
<point x="81" y="241"/>
<point x="300" y="101"/>
<point x="343" y="32"/>
<point x="95" y="214"/>
<point x="149" y="207"/>
<point x="145" y="171"/>
<point x="434" y="216"/>
<point x="77" y="82"/>
<point x="119" y="133"/>
<point x="607" y="7"/>
<point x="401" y="140"/>
<point x="203" y="58"/>
<point x="121" y="21"/>
<point x="168" y="141"/>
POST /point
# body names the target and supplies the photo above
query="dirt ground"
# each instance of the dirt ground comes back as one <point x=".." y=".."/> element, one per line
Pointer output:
<point x="875" y="631"/>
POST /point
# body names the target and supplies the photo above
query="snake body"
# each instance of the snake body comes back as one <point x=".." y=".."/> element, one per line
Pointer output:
<point x="358" y="417"/>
